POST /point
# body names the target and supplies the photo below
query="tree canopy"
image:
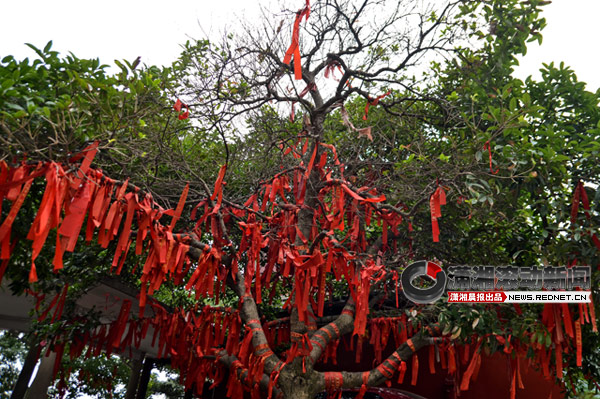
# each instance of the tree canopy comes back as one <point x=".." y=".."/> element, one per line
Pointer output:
<point x="274" y="222"/>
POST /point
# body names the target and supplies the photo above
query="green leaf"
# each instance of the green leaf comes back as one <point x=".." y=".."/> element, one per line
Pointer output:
<point x="48" y="46"/>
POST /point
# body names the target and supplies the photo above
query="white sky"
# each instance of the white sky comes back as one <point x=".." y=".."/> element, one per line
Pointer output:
<point x="154" y="30"/>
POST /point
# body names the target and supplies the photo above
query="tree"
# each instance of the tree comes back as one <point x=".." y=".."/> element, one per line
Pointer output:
<point x="51" y="108"/>
<point x="314" y="208"/>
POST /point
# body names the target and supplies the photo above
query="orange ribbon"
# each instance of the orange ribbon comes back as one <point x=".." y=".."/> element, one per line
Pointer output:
<point x="294" y="48"/>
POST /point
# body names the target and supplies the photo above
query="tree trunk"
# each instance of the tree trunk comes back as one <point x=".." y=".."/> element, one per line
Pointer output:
<point x="20" y="387"/>
<point x="295" y="386"/>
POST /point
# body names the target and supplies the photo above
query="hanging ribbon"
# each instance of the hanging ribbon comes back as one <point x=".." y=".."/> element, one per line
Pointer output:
<point x="180" y="205"/>
<point x="6" y="227"/>
<point x="363" y="132"/>
<point x="437" y="199"/>
<point x="182" y="115"/>
<point x="309" y="87"/>
<point x="488" y="147"/>
<point x="329" y="69"/>
<point x="575" y="205"/>
<point x="464" y="385"/>
<point x="559" y="361"/>
<point x="294" y="48"/>
<point x="578" y="342"/>
<point x="373" y="102"/>
<point x="580" y="195"/>
<point x="363" y="387"/>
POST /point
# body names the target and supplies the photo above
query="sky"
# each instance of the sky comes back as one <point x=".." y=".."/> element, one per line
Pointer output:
<point x="155" y="30"/>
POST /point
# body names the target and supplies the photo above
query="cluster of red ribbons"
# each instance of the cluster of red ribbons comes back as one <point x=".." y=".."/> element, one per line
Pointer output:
<point x="333" y="383"/>
<point x="273" y="248"/>
<point x="280" y="233"/>
<point x="82" y="198"/>
<point x="191" y="339"/>
<point x="294" y="49"/>
<point x="188" y="338"/>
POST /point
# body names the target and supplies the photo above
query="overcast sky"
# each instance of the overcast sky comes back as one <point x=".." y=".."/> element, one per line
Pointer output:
<point x="154" y="30"/>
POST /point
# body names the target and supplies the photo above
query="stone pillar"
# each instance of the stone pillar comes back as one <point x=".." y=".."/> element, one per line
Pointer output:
<point x="145" y="378"/>
<point x="43" y="378"/>
<point x="20" y="387"/>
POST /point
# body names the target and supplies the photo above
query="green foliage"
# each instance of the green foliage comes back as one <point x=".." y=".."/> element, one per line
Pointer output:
<point x="97" y="377"/>
<point x="12" y="355"/>
<point x="165" y="383"/>
<point x="52" y="105"/>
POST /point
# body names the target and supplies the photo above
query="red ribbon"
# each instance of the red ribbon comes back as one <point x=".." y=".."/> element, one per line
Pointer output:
<point x="415" y="369"/>
<point x="329" y="69"/>
<point x="373" y="102"/>
<point x="6" y="227"/>
<point x="559" y="361"/>
<point x="431" y="359"/>
<point x="487" y="146"/>
<point x="182" y="115"/>
<point x="464" y="385"/>
<point x="294" y="48"/>
<point x="580" y="195"/>
<point x="333" y="381"/>
<point x="180" y="205"/>
<point x="309" y="87"/>
<point x="363" y="387"/>
<point x="435" y="201"/>
<point x="578" y="342"/>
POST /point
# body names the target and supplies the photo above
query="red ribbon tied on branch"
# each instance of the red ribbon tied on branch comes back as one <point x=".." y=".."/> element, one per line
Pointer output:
<point x="580" y="195"/>
<point x="374" y="102"/>
<point x="330" y="69"/>
<point x="487" y="146"/>
<point x="294" y="48"/>
<point x="437" y="199"/>
<point x="309" y="87"/>
<point x="182" y="115"/>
